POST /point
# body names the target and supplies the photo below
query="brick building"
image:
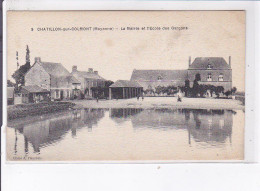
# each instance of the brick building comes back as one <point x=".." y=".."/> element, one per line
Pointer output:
<point x="212" y="70"/>
<point x="53" y="77"/>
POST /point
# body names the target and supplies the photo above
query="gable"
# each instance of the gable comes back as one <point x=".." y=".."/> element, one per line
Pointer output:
<point x="213" y="62"/>
<point x="36" y="70"/>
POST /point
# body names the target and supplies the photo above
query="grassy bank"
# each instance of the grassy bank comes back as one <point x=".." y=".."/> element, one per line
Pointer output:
<point x="23" y="110"/>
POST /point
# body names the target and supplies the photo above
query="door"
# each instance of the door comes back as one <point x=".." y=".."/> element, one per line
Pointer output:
<point x="61" y="94"/>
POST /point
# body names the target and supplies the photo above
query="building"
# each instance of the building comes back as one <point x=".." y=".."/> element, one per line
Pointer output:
<point x="149" y="79"/>
<point x="212" y="70"/>
<point x="89" y="80"/>
<point x="10" y="95"/>
<point x="54" y="78"/>
<point x="124" y="89"/>
<point x="34" y="94"/>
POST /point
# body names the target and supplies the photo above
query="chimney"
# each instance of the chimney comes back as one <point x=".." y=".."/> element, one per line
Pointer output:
<point x="189" y="60"/>
<point x="37" y="59"/>
<point x="229" y="61"/>
<point x="90" y="70"/>
<point x="96" y="72"/>
<point x="74" y="68"/>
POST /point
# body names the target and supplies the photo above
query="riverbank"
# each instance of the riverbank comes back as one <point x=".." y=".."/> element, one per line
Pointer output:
<point x="23" y="110"/>
<point x="162" y="102"/>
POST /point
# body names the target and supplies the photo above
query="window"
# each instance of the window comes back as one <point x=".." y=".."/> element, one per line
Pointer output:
<point x="209" y="78"/>
<point x="57" y="94"/>
<point x="159" y="78"/>
<point x="209" y="66"/>
<point x="221" y="78"/>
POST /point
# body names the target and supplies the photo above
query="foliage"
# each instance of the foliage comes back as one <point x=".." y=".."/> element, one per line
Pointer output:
<point x="233" y="90"/>
<point x="169" y="90"/>
<point x="108" y="83"/>
<point x="10" y="83"/>
<point x="102" y="92"/>
<point x="19" y="74"/>
<point x="228" y="93"/>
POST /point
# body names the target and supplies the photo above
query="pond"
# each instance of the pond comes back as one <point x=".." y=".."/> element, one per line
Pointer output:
<point x="127" y="134"/>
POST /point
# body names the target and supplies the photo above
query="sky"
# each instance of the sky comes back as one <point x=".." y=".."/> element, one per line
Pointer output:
<point x="116" y="53"/>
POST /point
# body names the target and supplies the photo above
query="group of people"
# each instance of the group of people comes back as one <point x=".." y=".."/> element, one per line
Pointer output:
<point x="138" y="96"/>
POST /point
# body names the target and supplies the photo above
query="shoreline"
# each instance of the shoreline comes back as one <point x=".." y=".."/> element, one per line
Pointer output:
<point x="25" y="110"/>
<point x="161" y="102"/>
<point x="37" y="109"/>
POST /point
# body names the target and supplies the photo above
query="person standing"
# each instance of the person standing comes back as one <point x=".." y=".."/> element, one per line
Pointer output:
<point x="179" y="96"/>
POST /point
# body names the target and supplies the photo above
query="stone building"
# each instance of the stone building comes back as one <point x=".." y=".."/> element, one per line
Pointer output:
<point x="149" y="79"/>
<point x="53" y="77"/>
<point x="89" y="79"/>
<point x="212" y="70"/>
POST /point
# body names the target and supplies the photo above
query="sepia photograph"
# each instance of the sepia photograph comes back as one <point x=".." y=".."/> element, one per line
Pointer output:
<point x="146" y="86"/>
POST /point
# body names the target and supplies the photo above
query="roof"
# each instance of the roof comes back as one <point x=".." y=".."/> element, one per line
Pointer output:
<point x="55" y="69"/>
<point x="90" y="75"/>
<point x="69" y="79"/>
<point x="125" y="83"/>
<point x="215" y="62"/>
<point x="164" y="75"/>
<point x="10" y="92"/>
<point x="34" y="89"/>
<point x="63" y="81"/>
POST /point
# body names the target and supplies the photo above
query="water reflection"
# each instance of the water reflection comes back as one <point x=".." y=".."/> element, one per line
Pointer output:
<point x="52" y="128"/>
<point x="206" y="126"/>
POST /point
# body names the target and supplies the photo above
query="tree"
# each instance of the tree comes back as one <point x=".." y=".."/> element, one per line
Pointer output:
<point x="108" y="83"/>
<point x="159" y="89"/>
<point x="186" y="87"/>
<point x="195" y="88"/>
<point x="18" y="75"/>
<point x="219" y="89"/>
<point x="10" y="83"/>
<point x="228" y="93"/>
<point x="233" y="90"/>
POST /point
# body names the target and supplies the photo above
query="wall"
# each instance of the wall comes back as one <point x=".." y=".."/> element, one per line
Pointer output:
<point x="227" y="77"/>
<point x="37" y="76"/>
<point x="147" y="84"/>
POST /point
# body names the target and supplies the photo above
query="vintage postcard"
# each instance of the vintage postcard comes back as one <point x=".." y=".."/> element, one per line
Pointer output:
<point x="125" y="85"/>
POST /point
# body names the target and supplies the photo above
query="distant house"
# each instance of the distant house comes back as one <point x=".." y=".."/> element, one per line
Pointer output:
<point x="212" y="70"/>
<point x="34" y="94"/>
<point x="54" y="78"/>
<point x="89" y="80"/>
<point x="124" y="89"/>
<point x="10" y="95"/>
